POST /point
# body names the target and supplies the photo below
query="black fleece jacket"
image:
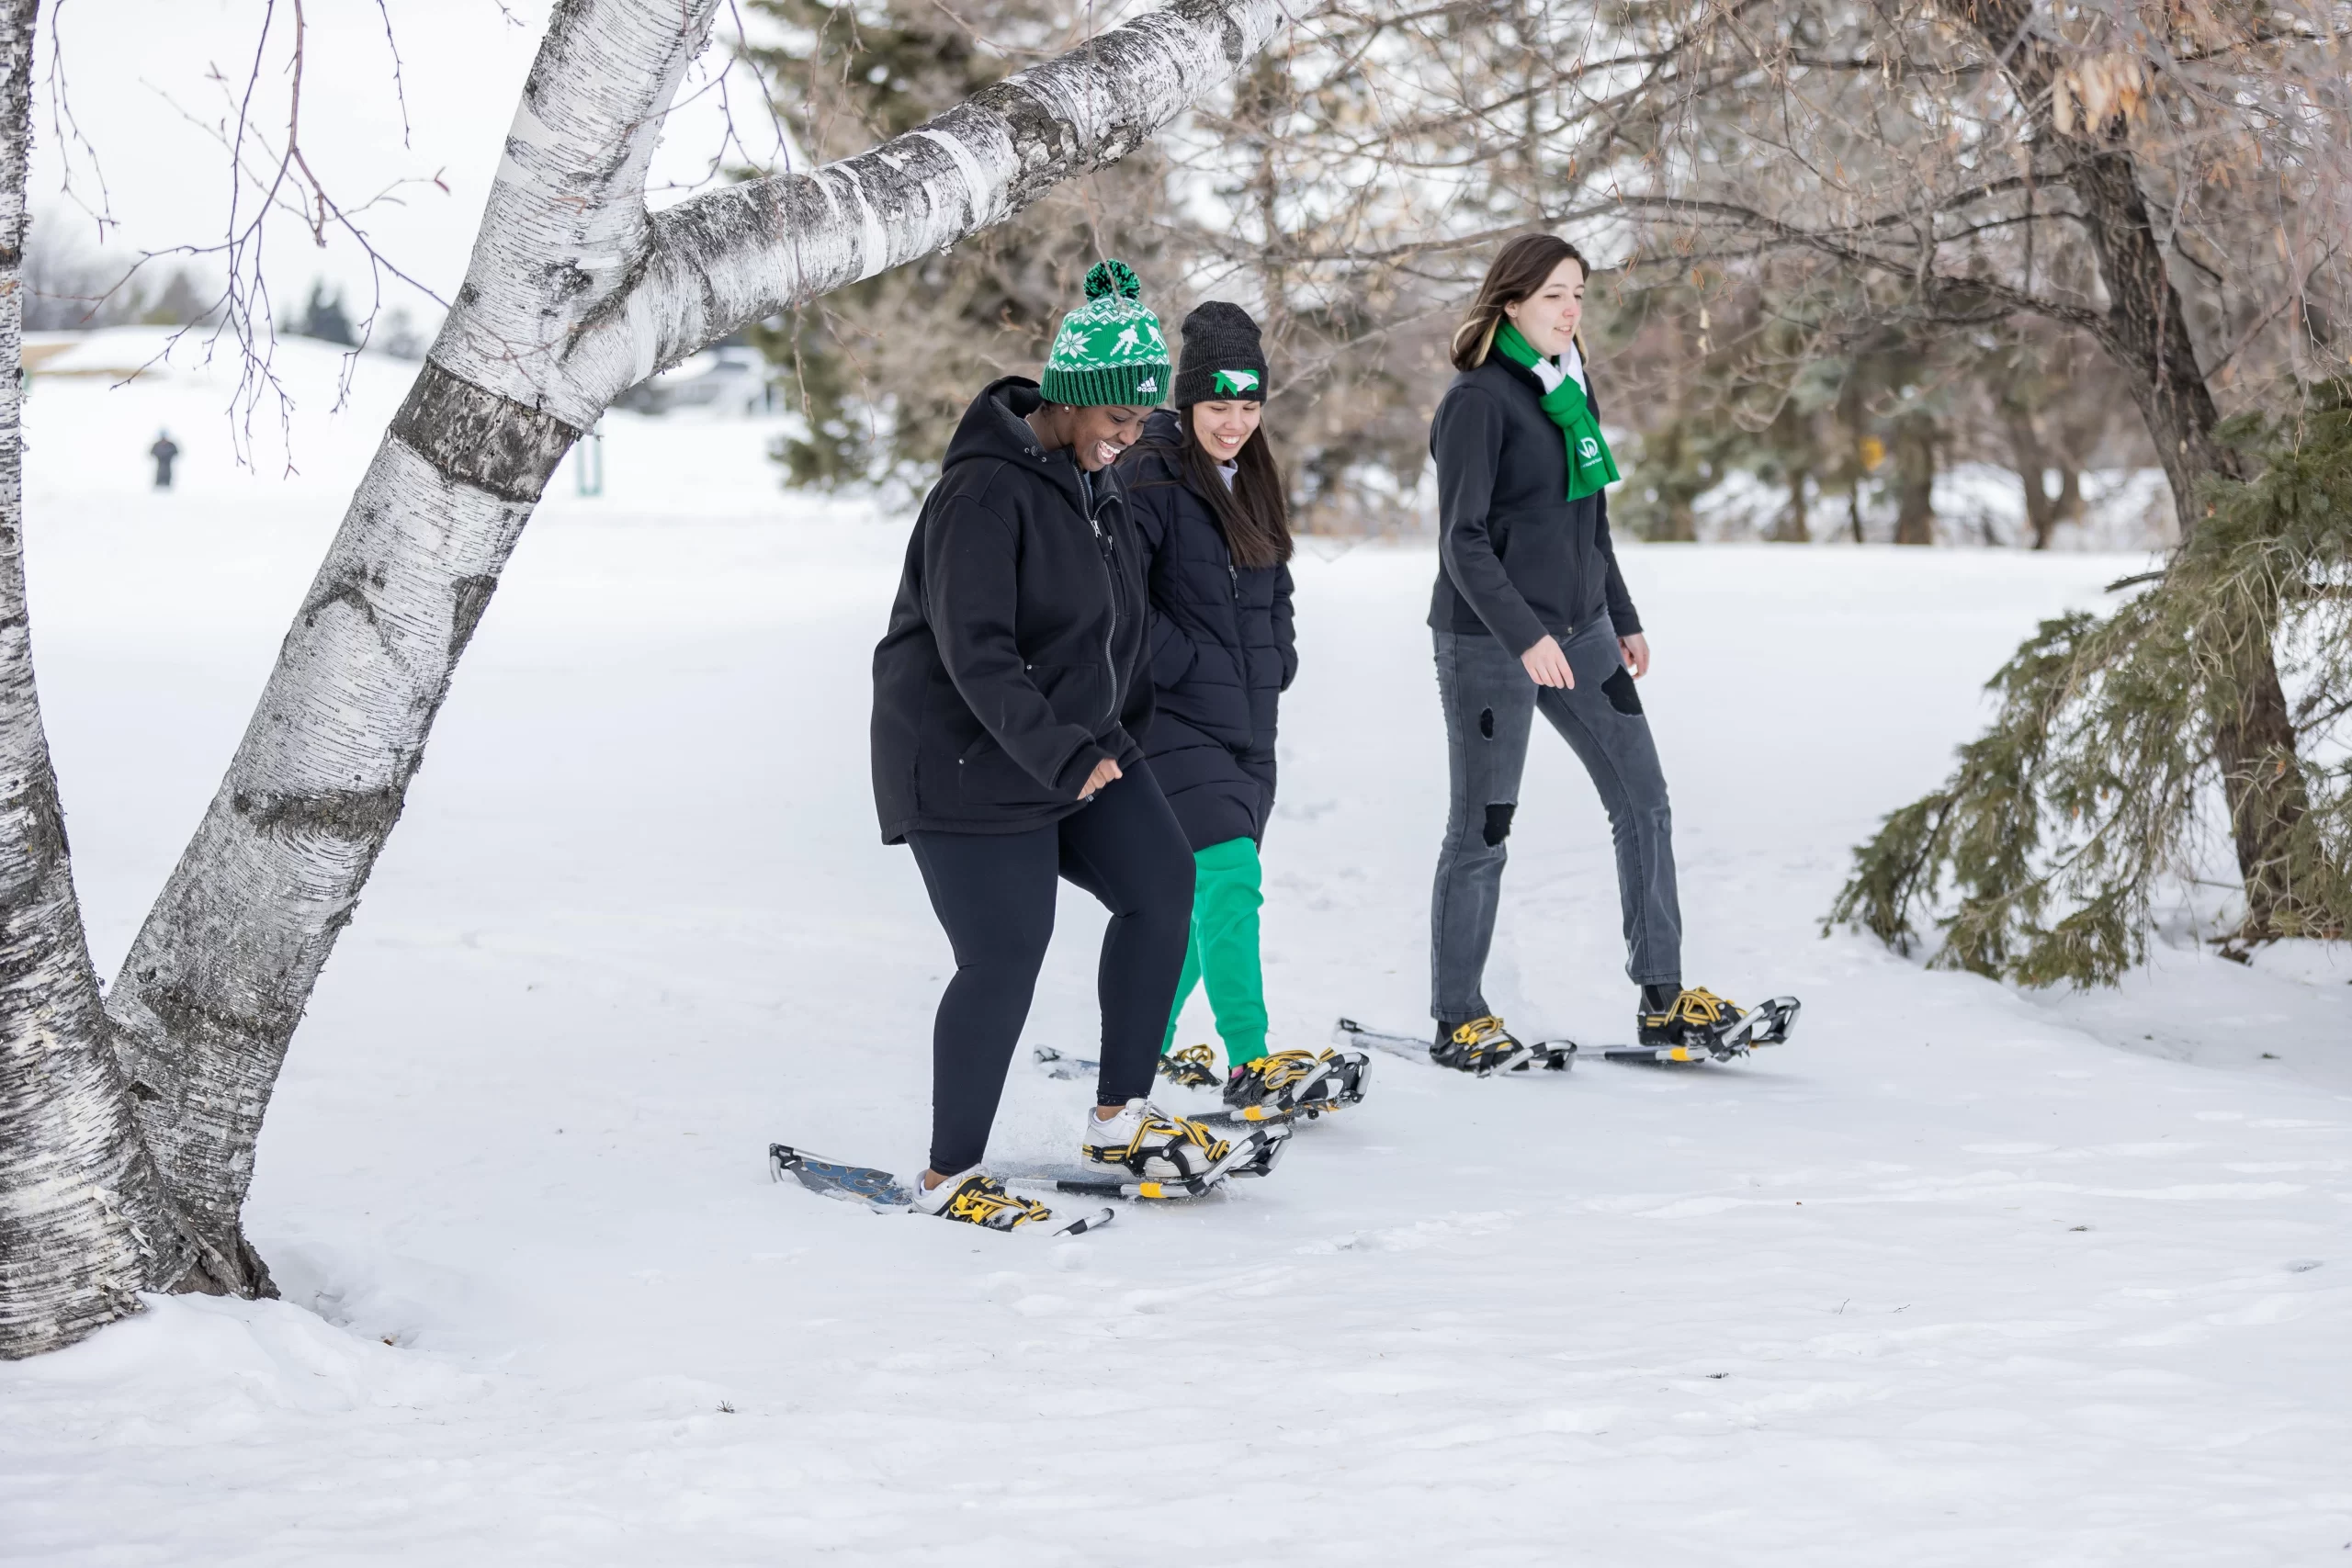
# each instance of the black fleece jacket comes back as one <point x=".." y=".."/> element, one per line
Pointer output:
<point x="1013" y="662"/>
<point x="1516" y="558"/>
<point x="1222" y="650"/>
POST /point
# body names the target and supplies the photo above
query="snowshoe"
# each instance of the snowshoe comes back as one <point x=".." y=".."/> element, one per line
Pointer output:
<point x="1192" y="1068"/>
<point x="971" y="1199"/>
<point x="1296" y="1083"/>
<point x="1700" y="1026"/>
<point x="1556" y="1055"/>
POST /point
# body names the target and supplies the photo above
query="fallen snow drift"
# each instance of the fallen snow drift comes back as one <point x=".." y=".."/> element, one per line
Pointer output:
<point x="1958" y="1276"/>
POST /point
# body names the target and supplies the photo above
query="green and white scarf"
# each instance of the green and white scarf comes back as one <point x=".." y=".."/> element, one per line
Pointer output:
<point x="1569" y="406"/>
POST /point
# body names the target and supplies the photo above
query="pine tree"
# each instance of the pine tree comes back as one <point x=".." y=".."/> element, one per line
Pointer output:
<point x="2040" y="858"/>
<point x="323" y="318"/>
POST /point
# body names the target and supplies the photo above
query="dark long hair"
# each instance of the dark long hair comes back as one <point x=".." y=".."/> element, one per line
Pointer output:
<point x="1518" y="271"/>
<point x="1252" y="512"/>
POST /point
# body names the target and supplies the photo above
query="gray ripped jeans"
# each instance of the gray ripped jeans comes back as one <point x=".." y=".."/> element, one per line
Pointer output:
<point x="1489" y="705"/>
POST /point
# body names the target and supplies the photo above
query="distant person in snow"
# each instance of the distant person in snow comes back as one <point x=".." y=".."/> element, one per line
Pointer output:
<point x="1530" y="613"/>
<point x="1213" y="523"/>
<point x="1008" y="693"/>
<point x="163" y="452"/>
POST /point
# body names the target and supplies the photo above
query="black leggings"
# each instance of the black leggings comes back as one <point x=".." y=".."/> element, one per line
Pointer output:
<point x="994" y="892"/>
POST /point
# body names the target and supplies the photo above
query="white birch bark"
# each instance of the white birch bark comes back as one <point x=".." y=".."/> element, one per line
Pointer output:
<point x="573" y="294"/>
<point x="82" y="1220"/>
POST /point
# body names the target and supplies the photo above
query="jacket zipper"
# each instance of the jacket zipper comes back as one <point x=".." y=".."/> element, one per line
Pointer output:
<point x="1109" y="584"/>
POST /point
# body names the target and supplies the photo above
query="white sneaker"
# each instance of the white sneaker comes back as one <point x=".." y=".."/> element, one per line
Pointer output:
<point x="976" y="1198"/>
<point x="1145" y="1142"/>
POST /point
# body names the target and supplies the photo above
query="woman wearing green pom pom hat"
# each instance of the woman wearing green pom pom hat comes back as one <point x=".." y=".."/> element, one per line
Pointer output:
<point x="1009" y="691"/>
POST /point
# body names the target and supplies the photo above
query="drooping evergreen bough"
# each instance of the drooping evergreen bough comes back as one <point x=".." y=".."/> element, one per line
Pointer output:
<point x="2097" y="786"/>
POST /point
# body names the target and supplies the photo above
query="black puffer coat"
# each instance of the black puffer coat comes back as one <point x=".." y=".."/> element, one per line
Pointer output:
<point x="1013" y="662"/>
<point x="1222" y="651"/>
<point x="1516" y="558"/>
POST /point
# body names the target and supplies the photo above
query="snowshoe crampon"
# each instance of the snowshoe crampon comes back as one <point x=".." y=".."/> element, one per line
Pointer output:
<point x="1766" y="1024"/>
<point x="1257" y="1150"/>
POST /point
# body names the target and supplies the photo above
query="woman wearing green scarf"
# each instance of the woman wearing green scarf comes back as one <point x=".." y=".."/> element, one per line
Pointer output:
<point x="1531" y="614"/>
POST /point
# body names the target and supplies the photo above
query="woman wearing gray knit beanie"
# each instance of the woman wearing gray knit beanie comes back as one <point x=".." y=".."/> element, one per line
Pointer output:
<point x="1208" y="506"/>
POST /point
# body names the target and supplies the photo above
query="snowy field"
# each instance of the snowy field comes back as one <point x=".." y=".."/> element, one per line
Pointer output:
<point x="1960" y="1276"/>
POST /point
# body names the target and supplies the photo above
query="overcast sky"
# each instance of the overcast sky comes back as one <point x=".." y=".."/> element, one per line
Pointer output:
<point x="139" y="81"/>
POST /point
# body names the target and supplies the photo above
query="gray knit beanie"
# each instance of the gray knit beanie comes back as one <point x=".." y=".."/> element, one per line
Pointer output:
<point x="1222" y="360"/>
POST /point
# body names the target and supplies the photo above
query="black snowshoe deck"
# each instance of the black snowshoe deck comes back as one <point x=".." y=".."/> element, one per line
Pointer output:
<point x="1766" y="1024"/>
<point x="1545" y="1056"/>
<point x="885" y="1193"/>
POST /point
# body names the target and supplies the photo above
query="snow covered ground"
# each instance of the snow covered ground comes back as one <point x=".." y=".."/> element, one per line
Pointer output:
<point x="1960" y="1276"/>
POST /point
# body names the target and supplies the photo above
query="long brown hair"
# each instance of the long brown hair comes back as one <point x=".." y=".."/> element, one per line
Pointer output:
<point x="1252" y="511"/>
<point x="1522" y="267"/>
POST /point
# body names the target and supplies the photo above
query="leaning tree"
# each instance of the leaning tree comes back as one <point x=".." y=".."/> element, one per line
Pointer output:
<point x="84" y="1219"/>
<point x="2170" y="178"/>
<point x="128" y="1130"/>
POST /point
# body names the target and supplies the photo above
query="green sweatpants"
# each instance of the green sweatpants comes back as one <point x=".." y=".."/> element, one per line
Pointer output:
<point x="1224" y="949"/>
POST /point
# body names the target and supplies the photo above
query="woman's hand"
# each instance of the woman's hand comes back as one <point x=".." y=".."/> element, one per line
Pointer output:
<point x="1546" y="665"/>
<point x="1636" y="650"/>
<point x="1104" y="773"/>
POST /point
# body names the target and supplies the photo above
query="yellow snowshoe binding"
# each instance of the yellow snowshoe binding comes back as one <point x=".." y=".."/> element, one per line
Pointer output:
<point x="978" y="1200"/>
<point x="1194" y="1067"/>
<point x="1696" y="1023"/>
<point x="1147" y="1144"/>
<point x="1482" y="1046"/>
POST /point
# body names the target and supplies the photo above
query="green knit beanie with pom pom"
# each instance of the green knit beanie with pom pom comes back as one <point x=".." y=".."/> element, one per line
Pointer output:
<point x="1109" y="350"/>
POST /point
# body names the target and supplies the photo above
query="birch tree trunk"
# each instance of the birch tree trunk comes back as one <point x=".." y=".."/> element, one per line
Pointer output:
<point x="83" y="1223"/>
<point x="573" y="294"/>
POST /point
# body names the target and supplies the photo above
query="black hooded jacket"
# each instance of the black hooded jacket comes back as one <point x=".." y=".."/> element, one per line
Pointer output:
<point x="1222" y="651"/>
<point x="1013" y="662"/>
<point x="1515" y="556"/>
